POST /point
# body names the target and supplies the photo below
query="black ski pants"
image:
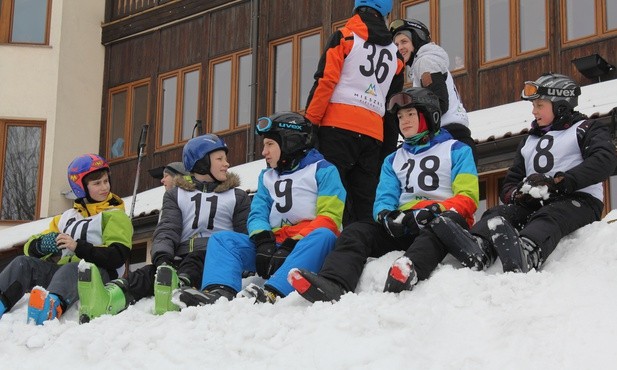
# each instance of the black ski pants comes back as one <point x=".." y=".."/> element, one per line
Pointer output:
<point x="362" y="240"/>
<point x="547" y="225"/>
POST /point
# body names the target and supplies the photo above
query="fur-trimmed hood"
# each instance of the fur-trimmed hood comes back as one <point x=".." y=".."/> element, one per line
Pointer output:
<point x="190" y="183"/>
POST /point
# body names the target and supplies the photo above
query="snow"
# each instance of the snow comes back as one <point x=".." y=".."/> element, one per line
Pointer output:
<point x="559" y="318"/>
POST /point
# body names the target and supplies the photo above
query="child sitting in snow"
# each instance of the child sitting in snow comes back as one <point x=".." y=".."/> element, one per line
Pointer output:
<point x="96" y="230"/>
<point x="430" y="179"/>
<point x="554" y="186"/>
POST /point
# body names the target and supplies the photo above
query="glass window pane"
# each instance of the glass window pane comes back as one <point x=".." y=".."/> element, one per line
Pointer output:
<point x="140" y="115"/>
<point x="221" y="96"/>
<point x="581" y="18"/>
<point x="309" y="58"/>
<point x="118" y="122"/>
<point x="21" y="172"/>
<point x="421" y="12"/>
<point x="282" y="77"/>
<point x="244" y="90"/>
<point x="190" y="103"/>
<point x="533" y="25"/>
<point x="29" y="21"/>
<point x="452" y="31"/>
<point x="611" y="15"/>
<point x="496" y="29"/>
<point x="168" y="105"/>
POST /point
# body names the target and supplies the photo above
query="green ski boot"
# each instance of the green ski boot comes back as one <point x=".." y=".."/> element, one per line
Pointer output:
<point x="165" y="283"/>
<point x="96" y="298"/>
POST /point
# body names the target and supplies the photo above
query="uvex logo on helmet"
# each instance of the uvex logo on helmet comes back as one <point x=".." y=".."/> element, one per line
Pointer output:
<point x="290" y="125"/>
<point x="560" y="92"/>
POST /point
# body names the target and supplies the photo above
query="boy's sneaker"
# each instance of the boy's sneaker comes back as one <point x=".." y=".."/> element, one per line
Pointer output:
<point x="261" y="295"/>
<point x="470" y="250"/>
<point x="401" y="276"/>
<point x="43" y="306"/>
<point x="516" y="254"/>
<point x="96" y="298"/>
<point x="313" y="287"/>
<point x="192" y="297"/>
<point x="166" y="281"/>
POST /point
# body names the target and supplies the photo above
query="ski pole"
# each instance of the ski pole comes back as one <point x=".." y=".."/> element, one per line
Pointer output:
<point x="140" y="153"/>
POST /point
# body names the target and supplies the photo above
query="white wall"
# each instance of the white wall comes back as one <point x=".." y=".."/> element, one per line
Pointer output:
<point x="61" y="84"/>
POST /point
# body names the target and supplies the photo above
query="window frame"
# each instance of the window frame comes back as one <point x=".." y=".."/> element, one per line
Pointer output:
<point x="6" y="23"/>
<point x="179" y="74"/>
<point x="129" y="125"/>
<point x="514" y="27"/>
<point x="234" y="87"/>
<point x="4" y="124"/>
<point x="601" y="26"/>
<point x="434" y="24"/>
<point x="295" y="40"/>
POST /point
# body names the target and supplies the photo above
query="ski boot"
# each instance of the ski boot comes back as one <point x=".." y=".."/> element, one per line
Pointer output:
<point x="43" y="306"/>
<point x="97" y="299"/>
<point x="193" y="297"/>
<point x="470" y="250"/>
<point x="259" y="294"/>
<point x="516" y="254"/>
<point x="166" y="281"/>
<point x="401" y="276"/>
<point x="313" y="287"/>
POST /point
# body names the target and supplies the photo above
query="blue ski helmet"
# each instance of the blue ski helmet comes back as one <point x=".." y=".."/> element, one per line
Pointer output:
<point x="82" y="166"/>
<point x="196" y="152"/>
<point x="384" y="7"/>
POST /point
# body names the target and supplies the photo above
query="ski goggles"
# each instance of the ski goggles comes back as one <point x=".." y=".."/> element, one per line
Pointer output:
<point x="532" y="91"/>
<point x="398" y="25"/>
<point x="264" y="124"/>
<point x="399" y="100"/>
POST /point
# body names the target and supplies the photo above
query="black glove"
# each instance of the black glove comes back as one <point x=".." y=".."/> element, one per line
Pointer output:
<point x="163" y="258"/>
<point x="425" y="215"/>
<point x="563" y="184"/>
<point x="265" y="245"/>
<point x="525" y="196"/>
<point x="46" y="244"/>
<point x="278" y="258"/>
<point x="398" y="223"/>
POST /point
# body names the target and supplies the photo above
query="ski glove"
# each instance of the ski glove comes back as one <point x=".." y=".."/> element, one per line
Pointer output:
<point x="398" y="223"/>
<point x="425" y="215"/>
<point x="563" y="184"/>
<point x="278" y="258"/>
<point x="531" y="192"/>
<point x="265" y="245"/>
<point x="46" y="244"/>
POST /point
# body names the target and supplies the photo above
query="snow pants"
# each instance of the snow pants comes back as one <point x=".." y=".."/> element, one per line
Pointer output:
<point x="229" y="254"/>
<point x="547" y="225"/>
<point x="362" y="240"/>
<point x="24" y="273"/>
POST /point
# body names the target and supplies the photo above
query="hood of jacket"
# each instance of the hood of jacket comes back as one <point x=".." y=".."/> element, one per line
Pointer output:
<point x="190" y="183"/>
<point x="431" y="57"/>
<point x="90" y="209"/>
<point x="370" y="27"/>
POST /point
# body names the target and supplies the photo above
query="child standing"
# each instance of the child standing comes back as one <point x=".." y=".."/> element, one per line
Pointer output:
<point x="430" y="178"/>
<point x="96" y="230"/>
<point x="554" y="185"/>
<point x="294" y="220"/>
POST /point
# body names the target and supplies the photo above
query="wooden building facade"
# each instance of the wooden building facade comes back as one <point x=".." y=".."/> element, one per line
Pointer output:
<point x="187" y="66"/>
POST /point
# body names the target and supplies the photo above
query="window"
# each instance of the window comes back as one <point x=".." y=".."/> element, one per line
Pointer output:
<point x="25" y="21"/>
<point x="447" y="26"/>
<point x="128" y="112"/>
<point x="229" y="103"/>
<point x="294" y="63"/>
<point x="21" y="143"/>
<point x="178" y="98"/>
<point x="587" y="18"/>
<point x="512" y="28"/>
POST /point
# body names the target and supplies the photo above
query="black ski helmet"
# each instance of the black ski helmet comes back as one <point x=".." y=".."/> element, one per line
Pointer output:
<point x="424" y="100"/>
<point x="420" y="34"/>
<point x="560" y="89"/>
<point x="292" y="132"/>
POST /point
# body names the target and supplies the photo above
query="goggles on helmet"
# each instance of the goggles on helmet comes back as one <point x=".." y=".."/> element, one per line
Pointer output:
<point x="399" y="99"/>
<point x="403" y="24"/>
<point x="264" y="124"/>
<point x="533" y="91"/>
